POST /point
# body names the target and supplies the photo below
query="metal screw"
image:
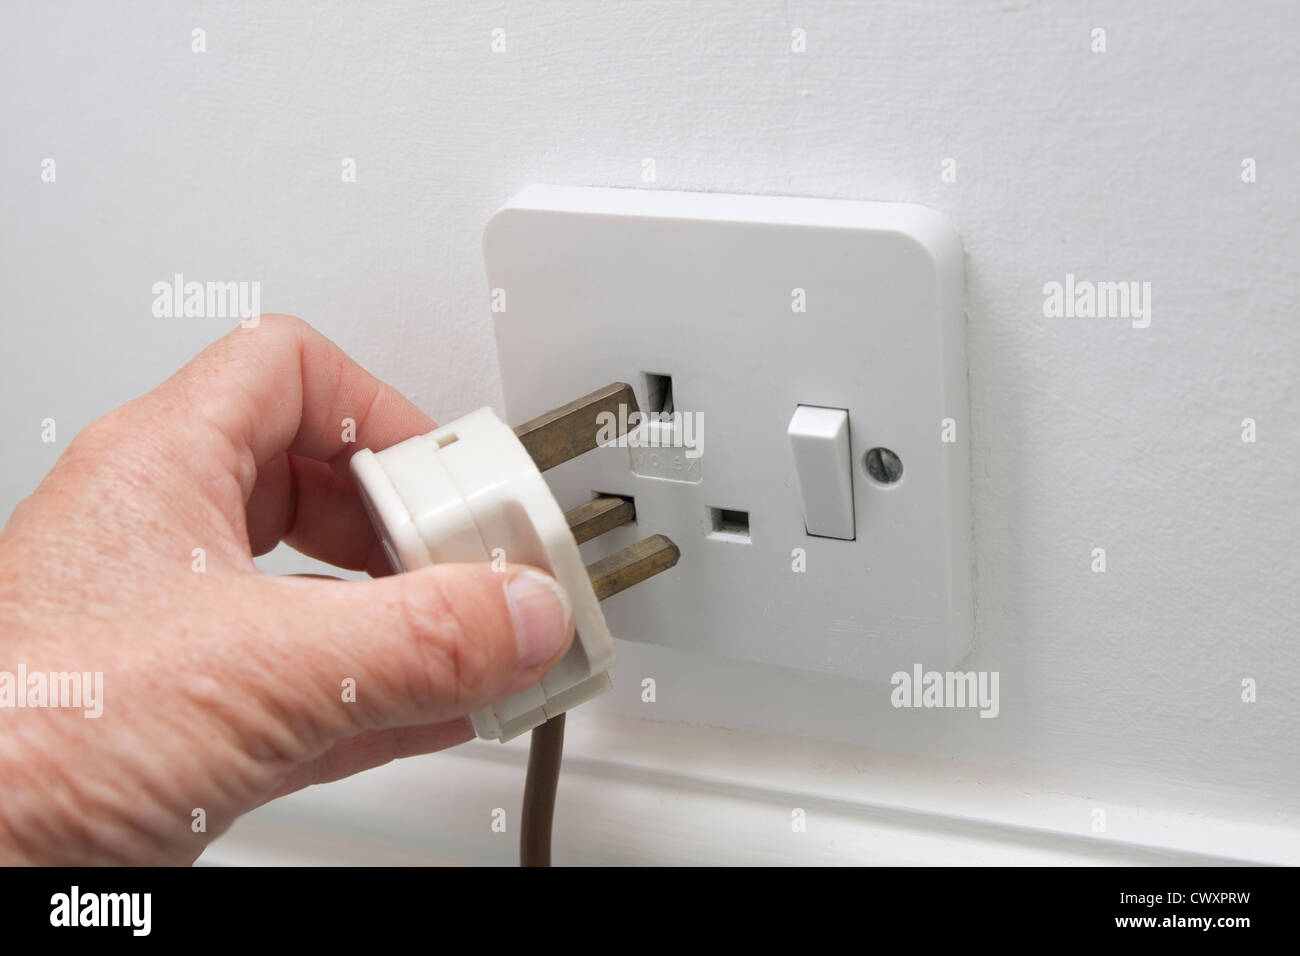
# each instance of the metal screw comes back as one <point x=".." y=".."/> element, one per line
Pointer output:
<point x="883" y="465"/>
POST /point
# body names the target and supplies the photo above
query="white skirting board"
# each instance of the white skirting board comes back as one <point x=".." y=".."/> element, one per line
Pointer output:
<point x="638" y="792"/>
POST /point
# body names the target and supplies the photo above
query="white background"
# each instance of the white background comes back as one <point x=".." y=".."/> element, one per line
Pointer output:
<point x="1119" y="689"/>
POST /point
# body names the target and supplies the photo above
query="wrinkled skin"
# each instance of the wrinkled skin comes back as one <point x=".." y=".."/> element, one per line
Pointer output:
<point x="224" y="687"/>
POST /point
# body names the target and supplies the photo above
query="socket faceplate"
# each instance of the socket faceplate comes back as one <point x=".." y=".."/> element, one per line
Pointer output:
<point x="736" y="310"/>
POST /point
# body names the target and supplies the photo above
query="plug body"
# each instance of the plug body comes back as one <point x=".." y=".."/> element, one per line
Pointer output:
<point x="469" y="491"/>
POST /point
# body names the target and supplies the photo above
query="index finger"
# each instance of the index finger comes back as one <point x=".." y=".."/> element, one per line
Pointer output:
<point x="282" y="386"/>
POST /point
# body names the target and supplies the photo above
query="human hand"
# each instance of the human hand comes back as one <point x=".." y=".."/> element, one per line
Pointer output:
<point x="223" y="687"/>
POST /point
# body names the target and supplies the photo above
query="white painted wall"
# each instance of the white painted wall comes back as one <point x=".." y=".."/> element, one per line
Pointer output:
<point x="1087" y="433"/>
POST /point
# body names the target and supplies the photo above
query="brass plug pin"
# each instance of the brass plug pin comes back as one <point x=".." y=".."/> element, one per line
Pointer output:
<point x="632" y="565"/>
<point x="598" y="516"/>
<point x="570" y="430"/>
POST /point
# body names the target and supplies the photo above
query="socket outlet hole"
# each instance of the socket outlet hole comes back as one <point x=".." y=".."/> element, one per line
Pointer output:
<point x="728" y="524"/>
<point x="659" y="393"/>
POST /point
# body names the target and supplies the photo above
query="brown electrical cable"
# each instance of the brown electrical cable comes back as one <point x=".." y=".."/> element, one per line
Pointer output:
<point x="545" y="751"/>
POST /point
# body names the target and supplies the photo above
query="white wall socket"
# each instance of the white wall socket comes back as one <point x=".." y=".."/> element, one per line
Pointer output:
<point x="743" y="309"/>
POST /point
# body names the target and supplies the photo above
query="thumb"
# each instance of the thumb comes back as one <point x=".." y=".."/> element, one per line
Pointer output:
<point x="424" y="646"/>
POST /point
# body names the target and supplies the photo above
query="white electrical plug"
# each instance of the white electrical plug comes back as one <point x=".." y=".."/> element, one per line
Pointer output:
<point x="469" y="491"/>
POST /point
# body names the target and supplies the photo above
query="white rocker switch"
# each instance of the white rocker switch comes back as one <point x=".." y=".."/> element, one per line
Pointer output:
<point x="819" y="438"/>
